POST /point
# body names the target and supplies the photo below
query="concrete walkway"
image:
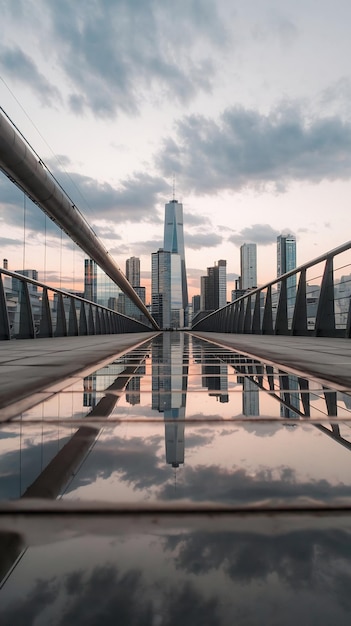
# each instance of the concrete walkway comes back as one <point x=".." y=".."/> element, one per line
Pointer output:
<point x="324" y="358"/>
<point x="31" y="369"/>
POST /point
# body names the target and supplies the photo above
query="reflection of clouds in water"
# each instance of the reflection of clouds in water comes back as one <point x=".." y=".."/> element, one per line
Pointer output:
<point x="228" y="431"/>
<point x="261" y="429"/>
<point x="204" y="417"/>
<point x="142" y="467"/>
<point x="134" y="461"/>
<point x="197" y="440"/>
<point x="314" y="560"/>
<point x="25" y="612"/>
<point x="213" y="483"/>
<point x="108" y="597"/>
<point x="32" y="459"/>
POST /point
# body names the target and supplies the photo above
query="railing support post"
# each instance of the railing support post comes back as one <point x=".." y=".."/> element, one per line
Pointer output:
<point x="26" y="325"/>
<point x="267" y="323"/>
<point x="281" y="320"/>
<point x="4" y="316"/>
<point x="45" y="329"/>
<point x="325" y="318"/>
<point x="299" y="321"/>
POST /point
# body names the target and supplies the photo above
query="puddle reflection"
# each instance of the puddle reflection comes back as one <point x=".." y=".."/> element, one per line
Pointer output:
<point x="183" y="425"/>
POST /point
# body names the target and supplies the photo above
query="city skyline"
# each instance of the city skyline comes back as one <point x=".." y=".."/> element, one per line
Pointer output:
<point x="248" y="162"/>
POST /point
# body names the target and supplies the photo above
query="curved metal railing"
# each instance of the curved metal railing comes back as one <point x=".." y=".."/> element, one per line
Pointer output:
<point x="30" y="309"/>
<point x="313" y="299"/>
<point x="23" y="166"/>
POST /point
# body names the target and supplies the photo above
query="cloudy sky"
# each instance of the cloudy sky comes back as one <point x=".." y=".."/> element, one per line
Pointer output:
<point x="245" y="105"/>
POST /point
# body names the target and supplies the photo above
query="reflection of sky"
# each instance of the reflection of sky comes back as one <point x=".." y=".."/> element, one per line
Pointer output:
<point x="173" y="574"/>
<point x="225" y="463"/>
<point x="188" y="577"/>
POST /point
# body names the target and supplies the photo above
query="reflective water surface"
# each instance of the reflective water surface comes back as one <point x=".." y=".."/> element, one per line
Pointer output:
<point x="182" y="482"/>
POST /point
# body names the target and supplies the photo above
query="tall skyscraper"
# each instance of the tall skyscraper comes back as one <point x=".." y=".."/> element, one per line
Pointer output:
<point x="248" y="266"/>
<point x="173" y="242"/>
<point x="133" y="271"/>
<point x="214" y="287"/>
<point x="286" y="260"/>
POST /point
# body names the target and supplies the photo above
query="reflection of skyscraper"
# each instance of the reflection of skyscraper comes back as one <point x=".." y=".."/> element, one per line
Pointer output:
<point x="174" y="243"/>
<point x="96" y="384"/>
<point x="215" y="378"/>
<point x="250" y="397"/>
<point x="290" y="395"/>
<point x="169" y="386"/>
<point x="133" y="387"/>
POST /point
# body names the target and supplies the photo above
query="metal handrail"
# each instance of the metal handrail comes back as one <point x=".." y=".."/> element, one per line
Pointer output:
<point x="249" y="314"/>
<point x="21" y="165"/>
<point x="83" y="317"/>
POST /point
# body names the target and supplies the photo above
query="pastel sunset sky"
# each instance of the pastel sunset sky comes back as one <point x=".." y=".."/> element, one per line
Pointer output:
<point x="246" y="105"/>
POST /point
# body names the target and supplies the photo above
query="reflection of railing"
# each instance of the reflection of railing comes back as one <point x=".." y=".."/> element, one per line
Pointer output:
<point x="292" y="392"/>
<point x="320" y="305"/>
<point x="30" y="309"/>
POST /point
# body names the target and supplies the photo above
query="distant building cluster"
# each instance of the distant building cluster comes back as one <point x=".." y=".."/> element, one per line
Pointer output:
<point x="169" y="304"/>
<point x="213" y="287"/>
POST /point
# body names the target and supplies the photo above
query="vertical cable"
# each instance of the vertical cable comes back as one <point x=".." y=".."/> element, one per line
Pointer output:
<point x="42" y="438"/>
<point x="45" y="242"/>
<point x="58" y="423"/>
<point x="74" y="267"/>
<point x="20" y="459"/>
<point x="61" y="261"/>
<point x="24" y="231"/>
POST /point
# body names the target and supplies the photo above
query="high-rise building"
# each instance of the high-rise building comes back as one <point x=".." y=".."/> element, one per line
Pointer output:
<point x="214" y="287"/>
<point x="286" y="260"/>
<point x="131" y="309"/>
<point x="196" y="302"/>
<point x="161" y="287"/>
<point x="173" y="242"/>
<point x="166" y="289"/>
<point x="126" y="305"/>
<point x="133" y="271"/>
<point x="248" y="266"/>
<point x="222" y="283"/>
<point x="98" y="287"/>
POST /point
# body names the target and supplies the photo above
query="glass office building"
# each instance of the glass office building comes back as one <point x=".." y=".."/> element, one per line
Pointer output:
<point x="166" y="289"/>
<point x="248" y="266"/>
<point x="173" y="242"/>
<point x="286" y="260"/>
<point x="98" y="287"/>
